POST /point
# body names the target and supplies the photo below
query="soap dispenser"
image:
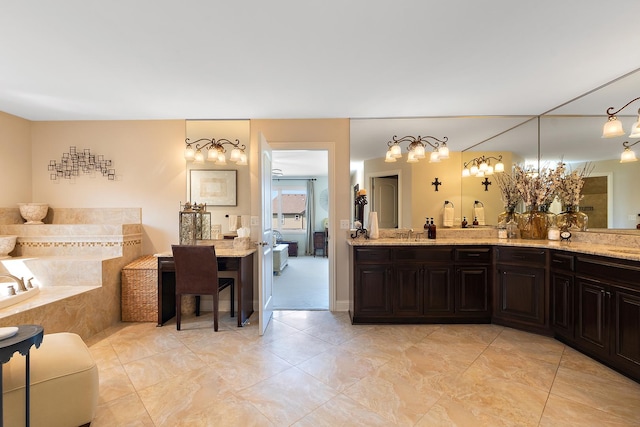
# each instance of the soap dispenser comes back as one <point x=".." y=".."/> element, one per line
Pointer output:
<point x="464" y="222"/>
<point x="432" y="226"/>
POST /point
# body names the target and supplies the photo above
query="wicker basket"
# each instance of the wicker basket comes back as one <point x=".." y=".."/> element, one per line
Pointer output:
<point x="140" y="290"/>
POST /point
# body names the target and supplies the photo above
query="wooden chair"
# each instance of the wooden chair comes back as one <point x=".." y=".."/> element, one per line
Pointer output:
<point x="197" y="274"/>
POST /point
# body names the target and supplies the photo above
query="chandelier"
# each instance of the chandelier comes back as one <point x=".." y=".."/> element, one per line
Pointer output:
<point x="417" y="148"/>
<point x="481" y="166"/>
<point x="215" y="151"/>
<point x="613" y="126"/>
<point x="628" y="155"/>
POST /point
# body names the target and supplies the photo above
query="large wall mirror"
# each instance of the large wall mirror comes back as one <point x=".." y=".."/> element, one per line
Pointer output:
<point x="571" y="133"/>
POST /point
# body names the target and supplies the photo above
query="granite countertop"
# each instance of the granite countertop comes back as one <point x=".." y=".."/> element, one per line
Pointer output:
<point x="615" y="251"/>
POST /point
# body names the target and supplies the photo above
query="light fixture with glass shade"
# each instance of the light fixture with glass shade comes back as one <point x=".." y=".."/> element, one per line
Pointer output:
<point x="215" y="150"/>
<point x="417" y="148"/>
<point x="481" y="166"/>
<point x="613" y="126"/>
<point x="628" y="155"/>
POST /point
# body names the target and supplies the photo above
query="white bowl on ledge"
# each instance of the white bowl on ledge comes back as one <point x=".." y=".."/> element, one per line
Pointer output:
<point x="34" y="213"/>
<point x="7" y="244"/>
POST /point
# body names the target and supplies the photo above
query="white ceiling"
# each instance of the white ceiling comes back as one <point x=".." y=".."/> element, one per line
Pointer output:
<point x="429" y="61"/>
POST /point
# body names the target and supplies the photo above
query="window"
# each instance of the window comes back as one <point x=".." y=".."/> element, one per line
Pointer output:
<point x="289" y="208"/>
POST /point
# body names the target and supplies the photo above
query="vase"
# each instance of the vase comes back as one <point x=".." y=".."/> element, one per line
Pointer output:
<point x="533" y="224"/>
<point x="572" y="219"/>
<point x="508" y="215"/>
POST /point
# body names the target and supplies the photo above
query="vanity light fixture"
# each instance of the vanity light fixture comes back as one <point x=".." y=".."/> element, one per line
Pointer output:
<point x="481" y="166"/>
<point x="613" y="126"/>
<point x="417" y="148"/>
<point x="215" y="151"/>
<point x="628" y="155"/>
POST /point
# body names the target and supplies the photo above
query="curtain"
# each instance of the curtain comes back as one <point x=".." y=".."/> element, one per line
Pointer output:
<point x="311" y="217"/>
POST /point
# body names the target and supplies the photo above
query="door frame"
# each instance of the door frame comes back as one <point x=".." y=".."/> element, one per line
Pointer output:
<point x="333" y="228"/>
<point x="369" y="179"/>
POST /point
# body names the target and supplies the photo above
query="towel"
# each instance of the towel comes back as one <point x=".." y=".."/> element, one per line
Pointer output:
<point x="478" y="213"/>
<point x="374" y="232"/>
<point x="447" y="217"/>
<point x="233" y="222"/>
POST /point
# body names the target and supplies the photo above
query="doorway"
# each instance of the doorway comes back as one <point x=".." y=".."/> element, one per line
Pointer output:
<point x="301" y="214"/>
<point x="385" y="200"/>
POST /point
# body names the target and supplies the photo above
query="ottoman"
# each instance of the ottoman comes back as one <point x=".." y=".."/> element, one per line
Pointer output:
<point x="64" y="384"/>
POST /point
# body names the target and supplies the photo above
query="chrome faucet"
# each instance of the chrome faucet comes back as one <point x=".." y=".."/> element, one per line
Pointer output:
<point x="20" y="282"/>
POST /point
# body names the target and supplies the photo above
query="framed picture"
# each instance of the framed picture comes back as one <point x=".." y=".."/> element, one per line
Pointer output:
<point x="213" y="187"/>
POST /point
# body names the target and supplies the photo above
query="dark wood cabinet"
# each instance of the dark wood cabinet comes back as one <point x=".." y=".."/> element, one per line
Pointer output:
<point x="373" y="297"/>
<point x="473" y="286"/>
<point x="421" y="284"/>
<point x="293" y="247"/>
<point x="590" y="302"/>
<point x="520" y="289"/>
<point x="593" y="316"/>
<point x="562" y="294"/>
<point x="320" y="243"/>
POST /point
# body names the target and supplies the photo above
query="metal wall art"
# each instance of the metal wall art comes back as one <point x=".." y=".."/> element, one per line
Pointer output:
<point x="75" y="162"/>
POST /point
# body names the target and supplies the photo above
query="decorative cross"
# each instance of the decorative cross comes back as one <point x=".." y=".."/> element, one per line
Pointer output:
<point x="436" y="183"/>
<point x="486" y="183"/>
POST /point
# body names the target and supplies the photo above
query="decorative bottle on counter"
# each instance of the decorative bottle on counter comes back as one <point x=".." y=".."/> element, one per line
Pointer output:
<point x="502" y="230"/>
<point x="475" y="221"/>
<point x="427" y="228"/>
<point x="512" y="230"/>
<point x="464" y="222"/>
<point x="432" y="228"/>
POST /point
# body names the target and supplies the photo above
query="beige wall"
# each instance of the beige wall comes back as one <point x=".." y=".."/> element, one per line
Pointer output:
<point x="334" y="132"/>
<point x="149" y="164"/>
<point x="15" y="160"/>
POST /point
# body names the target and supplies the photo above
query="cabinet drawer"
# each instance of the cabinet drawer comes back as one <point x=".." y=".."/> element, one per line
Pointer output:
<point x="521" y="255"/>
<point x="561" y="261"/>
<point x="422" y="254"/>
<point x="609" y="269"/>
<point x="372" y="254"/>
<point x="473" y="254"/>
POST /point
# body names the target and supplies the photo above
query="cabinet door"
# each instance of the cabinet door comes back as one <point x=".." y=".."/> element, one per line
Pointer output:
<point x="626" y="329"/>
<point x="562" y="304"/>
<point x="438" y="291"/>
<point x="592" y="328"/>
<point x="408" y="290"/>
<point x="472" y="293"/>
<point x="372" y="293"/>
<point x="521" y="295"/>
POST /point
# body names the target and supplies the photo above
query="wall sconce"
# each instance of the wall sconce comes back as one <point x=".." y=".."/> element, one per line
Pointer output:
<point x="417" y="148"/>
<point x="215" y="151"/>
<point x="481" y="166"/>
<point x="613" y="126"/>
<point x="628" y="155"/>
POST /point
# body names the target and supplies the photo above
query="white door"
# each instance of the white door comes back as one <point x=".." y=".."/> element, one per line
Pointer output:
<point x="265" y="250"/>
<point x="385" y="201"/>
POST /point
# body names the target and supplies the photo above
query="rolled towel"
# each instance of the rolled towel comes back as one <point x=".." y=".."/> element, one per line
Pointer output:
<point x="374" y="232"/>
<point x="233" y="222"/>
<point x="447" y="217"/>
<point x="478" y="213"/>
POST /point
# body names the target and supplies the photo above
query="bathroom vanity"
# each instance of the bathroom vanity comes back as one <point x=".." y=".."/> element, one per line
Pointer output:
<point x="585" y="295"/>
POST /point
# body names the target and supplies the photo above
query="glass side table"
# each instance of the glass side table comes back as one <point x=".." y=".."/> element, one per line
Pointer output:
<point x="22" y="341"/>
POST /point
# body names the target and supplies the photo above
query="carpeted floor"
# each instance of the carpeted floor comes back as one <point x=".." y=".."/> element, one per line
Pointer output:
<point x="302" y="285"/>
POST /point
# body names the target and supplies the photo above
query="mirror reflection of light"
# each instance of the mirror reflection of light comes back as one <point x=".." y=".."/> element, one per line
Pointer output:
<point x="18" y="268"/>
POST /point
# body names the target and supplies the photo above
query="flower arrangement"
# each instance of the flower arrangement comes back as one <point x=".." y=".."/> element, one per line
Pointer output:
<point x="535" y="188"/>
<point x="569" y="186"/>
<point x="508" y="190"/>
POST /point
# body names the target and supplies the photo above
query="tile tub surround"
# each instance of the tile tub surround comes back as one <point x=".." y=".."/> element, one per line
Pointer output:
<point x="77" y="267"/>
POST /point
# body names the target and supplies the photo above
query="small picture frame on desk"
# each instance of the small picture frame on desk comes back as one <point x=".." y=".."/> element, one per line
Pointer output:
<point x="213" y="187"/>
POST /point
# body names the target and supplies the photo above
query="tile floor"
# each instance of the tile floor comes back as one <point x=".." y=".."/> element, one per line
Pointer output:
<point x="313" y="368"/>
